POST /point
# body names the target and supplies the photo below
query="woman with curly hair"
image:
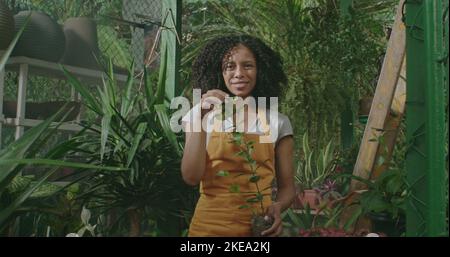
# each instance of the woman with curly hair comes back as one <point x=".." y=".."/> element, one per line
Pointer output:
<point x="237" y="66"/>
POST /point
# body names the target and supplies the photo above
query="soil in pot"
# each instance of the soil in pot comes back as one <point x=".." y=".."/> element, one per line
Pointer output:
<point x="259" y="224"/>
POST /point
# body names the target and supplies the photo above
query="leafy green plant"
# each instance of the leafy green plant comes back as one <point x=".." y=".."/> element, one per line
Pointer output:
<point x="314" y="168"/>
<point x="132" y="131"/>
<point x="388" y="193"/>
<point x="15" y="188"/>
<point x="246" y="148"/>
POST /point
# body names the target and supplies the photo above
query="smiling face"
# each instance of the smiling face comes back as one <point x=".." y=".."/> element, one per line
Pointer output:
<point x="239" y="71"/>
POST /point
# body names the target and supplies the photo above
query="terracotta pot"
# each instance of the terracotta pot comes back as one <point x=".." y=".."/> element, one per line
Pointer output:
<point x="307" y="197"/>
<point x="42" y="38"/>
<point x="42" y="111"/>
<point x="6" y="26"/>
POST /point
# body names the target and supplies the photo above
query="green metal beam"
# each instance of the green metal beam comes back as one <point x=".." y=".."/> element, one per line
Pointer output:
<point x="435" y="117"/>
<point x="415" y="121"/>
<point x="171" y="15"/>
<point x="347" y="116"/>
<point x="446" y="68"/>
<point x="425" y="119"/>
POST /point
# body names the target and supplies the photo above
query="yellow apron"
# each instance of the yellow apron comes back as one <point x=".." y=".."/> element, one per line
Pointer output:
<point x="217" y="212"/>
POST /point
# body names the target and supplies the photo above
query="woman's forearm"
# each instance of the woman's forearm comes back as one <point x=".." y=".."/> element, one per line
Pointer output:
<point x="285" y="196"/>
<point x="194" y="157"/>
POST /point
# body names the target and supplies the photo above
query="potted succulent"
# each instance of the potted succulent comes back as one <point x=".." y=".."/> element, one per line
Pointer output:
<point x="313" y="175"/>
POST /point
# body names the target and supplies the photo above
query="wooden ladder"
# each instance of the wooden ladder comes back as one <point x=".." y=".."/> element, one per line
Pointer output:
<point x="387" y="108"/>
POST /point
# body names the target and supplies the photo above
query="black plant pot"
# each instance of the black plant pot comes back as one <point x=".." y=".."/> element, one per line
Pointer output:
<point x="43" y="38"/>
<point x="384" y="223"/>
<point x="6" y="26"/>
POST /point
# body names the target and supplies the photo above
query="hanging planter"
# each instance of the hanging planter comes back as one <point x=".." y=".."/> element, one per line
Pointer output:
<point x="6" y="26"/>
<point x="42" y="39"/>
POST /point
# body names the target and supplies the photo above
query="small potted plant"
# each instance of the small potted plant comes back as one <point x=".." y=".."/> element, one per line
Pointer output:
<point x="384" y="201"/>
<point x="254" y="201"/>
<point x="314" y="170"/>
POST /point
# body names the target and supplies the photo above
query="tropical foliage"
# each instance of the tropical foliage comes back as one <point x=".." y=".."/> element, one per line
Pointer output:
<point x="132" y="131"/>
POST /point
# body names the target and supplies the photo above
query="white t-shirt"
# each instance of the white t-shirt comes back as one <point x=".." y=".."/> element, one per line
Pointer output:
<point x="282" y="125"/>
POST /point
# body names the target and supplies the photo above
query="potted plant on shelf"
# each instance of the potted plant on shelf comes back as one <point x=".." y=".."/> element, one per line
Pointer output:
<point x="314" y="175"/>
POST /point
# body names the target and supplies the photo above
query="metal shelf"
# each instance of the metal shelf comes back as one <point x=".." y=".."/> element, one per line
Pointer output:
<point x="26" y="67"/>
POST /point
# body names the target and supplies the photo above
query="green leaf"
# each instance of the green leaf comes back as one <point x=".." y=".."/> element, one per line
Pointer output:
<point x="6" y="213"/>
<point x="356" y="214"/>
<point x="161" y="110"/>
<point x="161" y="89"/>
<point x="91" y="102"/>
<point x="49" y="162"/>
<point x="223" y="173"/>
<point x="142" y="127"/>
<point x="253" y="200"/>
<point x="235" y="188"/>
<point x="254" y="178"/>
<point x="259" y="196"/>
<point x="149" y="95"/>
<point x="295" y="219"/>
<point x="380" y="160"/>
<point x="127" y="99"/>
<point x="242" y="154"/>
<point x="18" y="149"/>
<point x="106" y="120"/>
<point x="237" y="137"/>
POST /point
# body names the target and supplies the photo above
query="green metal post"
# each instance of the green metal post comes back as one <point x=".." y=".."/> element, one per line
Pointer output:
<point x="425" y="119"/>
<point x="446" y="68"/>
<point x="435" y="117"/>
<point x="171" y="14"/>
<point x="347" y="117"/>
<point x="415" y="121"/>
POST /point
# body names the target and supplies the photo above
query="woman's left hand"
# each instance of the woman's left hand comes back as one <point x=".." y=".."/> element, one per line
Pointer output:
<point x="274" y="213"/>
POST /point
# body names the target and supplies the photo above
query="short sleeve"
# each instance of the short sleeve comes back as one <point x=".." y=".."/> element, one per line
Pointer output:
<point x="284" y="127"/>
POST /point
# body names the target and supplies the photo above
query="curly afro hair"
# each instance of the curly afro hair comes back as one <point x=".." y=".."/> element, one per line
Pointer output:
<point x="207" y="68"/>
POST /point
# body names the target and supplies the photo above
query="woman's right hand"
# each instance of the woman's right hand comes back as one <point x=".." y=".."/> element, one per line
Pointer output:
<point x="214" y="96"/>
